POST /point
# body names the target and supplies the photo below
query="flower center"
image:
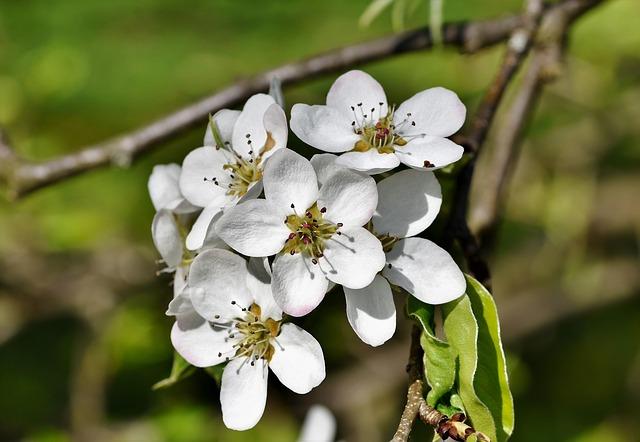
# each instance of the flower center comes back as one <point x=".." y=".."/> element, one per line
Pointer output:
<point x="255" y="336"/>
<point x="243" y="171"/>
<point x="309" y="232"/>
<point x="387" y="241"/>
<point x="377" y="132"/>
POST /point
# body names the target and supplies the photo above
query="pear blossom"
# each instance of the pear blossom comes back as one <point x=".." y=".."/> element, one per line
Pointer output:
<point x="375" y="137"/>
<point x="165" y="191"/>
<point x="228" y="168"/>
<point x="228" y="315"/>
<point x="408" y="202"/>
<point x="315" y="234"/>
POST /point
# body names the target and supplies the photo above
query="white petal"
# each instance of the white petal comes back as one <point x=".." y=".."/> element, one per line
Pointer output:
<point x="323" y="127"/>
<point x="349" y="197"/>
<point x="195" y="238"/>
<point x="164" y="190"/>
<point x="436" y="111"/>
<point x="198" y="342"/>
<point x="181" y="305"/>
<point x="166" y="237"/>
<point x="354" y="88"/>
<point x="259" y="284"/>
<point x="319" y="425"/>
<point x="225" y="120"/>
<point x="243" y="393"/>
<point x="217" y="281"/>
<point x="298" y="285"/>
<point x="253" y="228"/>
<point x="438" y="151"/>
<point x="425" y="270"/>
<point x="289" y="178"/>
<point x="251" y="122"/>
<point x="370" y="162"/>
<point x="298" y="361"/>
<point x="199" y="168"/>
<point x="325" y="165"/>
<point x="371" y="311"/>
<point x="275" y="123"/>
<point x="353" y="258"/>
<point x="408" y="202"/>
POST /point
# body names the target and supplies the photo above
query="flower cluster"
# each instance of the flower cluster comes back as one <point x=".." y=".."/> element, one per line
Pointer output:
<point x="257" y="234"/>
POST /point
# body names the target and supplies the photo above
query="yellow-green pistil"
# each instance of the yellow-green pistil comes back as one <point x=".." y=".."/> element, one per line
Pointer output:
<point x="387" y="241"/>
<point x="256" y="336"/>
<point x="243" y="172"/>
<point x="309" y="232"/>
<point x="378" y="134"/>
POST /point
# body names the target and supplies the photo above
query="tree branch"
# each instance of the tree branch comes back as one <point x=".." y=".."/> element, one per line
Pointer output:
<point x="553" y="25"/>
<point x="25" y="177"/>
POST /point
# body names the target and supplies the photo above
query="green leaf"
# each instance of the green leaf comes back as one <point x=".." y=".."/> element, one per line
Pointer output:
<point x="491" y="381"/>
<point x="180" y="370"/>
<point x="216" y="372"/>
<point x="473" y="332"/>
<point x="461" y="329"/>
<point x="439" y="362"/>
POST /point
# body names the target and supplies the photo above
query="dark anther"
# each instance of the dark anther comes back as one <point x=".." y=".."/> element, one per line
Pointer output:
<point x="248" y="135"/>
<point x="428" y="163"/>
<point x="353" y="108"/>
<point x="323" y="210"/>
<point x="219" y="354"/>
<point x="315" y="261"/>
<point x="389" y="265"/>
<point x="359" y="104"/>
<point x="217" y="316"/>
<point x="339" y="224"/>
<point x="233" y="302"/>
<point x="293" y="252"/>
<point x="380" y="103"/>
<point x="413" y="123"/>
<point x="293" y="206"/>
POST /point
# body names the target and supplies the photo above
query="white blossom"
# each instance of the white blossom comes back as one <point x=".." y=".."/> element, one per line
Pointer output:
<point x="228" y="315"/>
<point x="408" y="202"/>
<point x="165" y="191"/>
<point x="374" y="137"/>
<point x="316" y="234"/>
<point x="229" y="167"/>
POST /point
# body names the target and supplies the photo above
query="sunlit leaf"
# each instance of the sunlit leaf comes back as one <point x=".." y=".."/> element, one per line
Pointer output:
<point x="180" y="370"/>
<point x="491" y="381"/>
<point x="461" y="329"/>
<point x="439" y="363"/>
<point x="473" y="332"/>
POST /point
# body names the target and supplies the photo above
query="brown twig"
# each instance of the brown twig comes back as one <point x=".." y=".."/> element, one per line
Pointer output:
<point x="25" y="177"/>
<point x="553" y="24"/>
<point x="549" y="28"/>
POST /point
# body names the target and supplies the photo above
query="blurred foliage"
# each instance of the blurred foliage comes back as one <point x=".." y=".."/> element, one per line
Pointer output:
<point x="83" y="335"/>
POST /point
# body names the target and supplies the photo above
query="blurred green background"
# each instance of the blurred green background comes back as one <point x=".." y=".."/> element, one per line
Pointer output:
<point x="83" y="334"/>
